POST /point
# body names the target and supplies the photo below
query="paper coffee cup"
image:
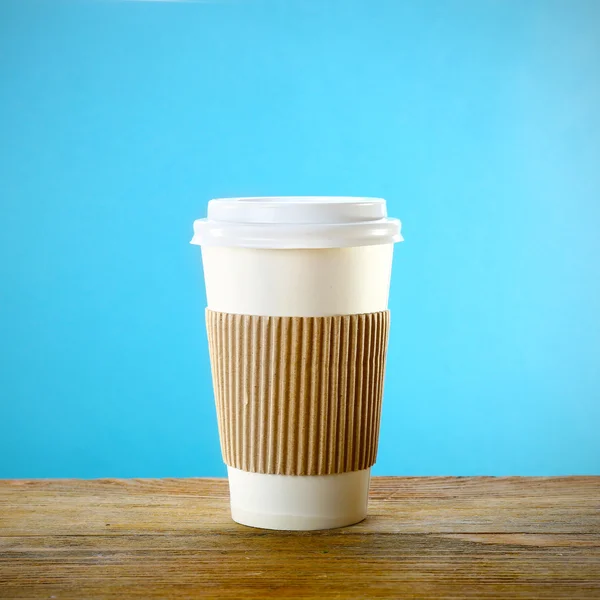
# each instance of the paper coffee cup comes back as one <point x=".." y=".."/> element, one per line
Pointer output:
<point x="297" y="322"/>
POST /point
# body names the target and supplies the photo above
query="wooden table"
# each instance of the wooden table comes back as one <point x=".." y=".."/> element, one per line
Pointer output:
<point x="424" y="538"/>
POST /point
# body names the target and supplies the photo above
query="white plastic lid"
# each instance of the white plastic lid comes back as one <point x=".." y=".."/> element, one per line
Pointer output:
<point x="296" y="222"/>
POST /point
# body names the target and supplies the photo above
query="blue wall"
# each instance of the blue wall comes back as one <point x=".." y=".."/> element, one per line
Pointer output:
<point x="478" y="120"/>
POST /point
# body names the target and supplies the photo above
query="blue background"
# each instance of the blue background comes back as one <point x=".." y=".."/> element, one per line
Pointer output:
<point x="478" y="120"/>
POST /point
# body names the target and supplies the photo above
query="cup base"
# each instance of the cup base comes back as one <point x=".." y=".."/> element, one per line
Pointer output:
<point x="290" y="522"/>
<point x="298" y="502"/>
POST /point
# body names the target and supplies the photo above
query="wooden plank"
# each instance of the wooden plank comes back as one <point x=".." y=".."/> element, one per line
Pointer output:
<point x="424" y="538"/>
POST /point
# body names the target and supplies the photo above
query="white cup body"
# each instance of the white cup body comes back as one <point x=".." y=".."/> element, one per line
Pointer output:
<point x="301" y="282"/>
<point x="297" y="283"/>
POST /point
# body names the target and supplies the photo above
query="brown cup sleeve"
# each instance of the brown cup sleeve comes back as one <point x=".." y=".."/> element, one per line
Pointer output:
<point x="298" y="395"/>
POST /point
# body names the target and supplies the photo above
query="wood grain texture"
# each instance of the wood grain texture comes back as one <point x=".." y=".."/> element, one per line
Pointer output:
<point x="424" y="538"/>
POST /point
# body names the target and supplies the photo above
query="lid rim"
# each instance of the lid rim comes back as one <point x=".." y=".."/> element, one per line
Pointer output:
<point x="296" y="222"/>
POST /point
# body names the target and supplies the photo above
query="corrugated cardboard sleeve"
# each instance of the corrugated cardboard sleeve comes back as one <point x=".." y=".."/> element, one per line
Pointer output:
<point x="298" y="395"/>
